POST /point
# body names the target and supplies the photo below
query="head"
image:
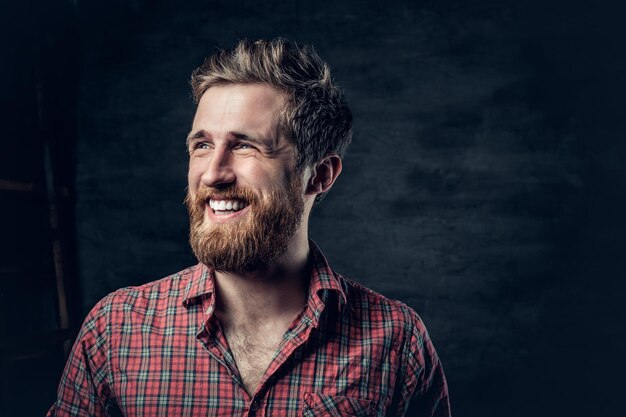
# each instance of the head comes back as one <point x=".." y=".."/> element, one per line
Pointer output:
<point x="269" y="133"/>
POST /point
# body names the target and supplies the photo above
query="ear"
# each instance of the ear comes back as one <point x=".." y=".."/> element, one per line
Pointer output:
<point x="324" y="174"/>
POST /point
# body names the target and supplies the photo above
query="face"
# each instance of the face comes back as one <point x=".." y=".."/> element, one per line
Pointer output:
<point x="245" y="201"/>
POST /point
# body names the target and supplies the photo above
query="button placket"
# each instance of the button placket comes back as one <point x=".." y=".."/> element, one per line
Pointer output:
<point x="254" y="407"/>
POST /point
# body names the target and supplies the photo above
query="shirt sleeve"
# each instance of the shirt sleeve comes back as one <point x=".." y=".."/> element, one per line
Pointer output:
<point x="424" y="390"/>
<point x="84" y="388"/>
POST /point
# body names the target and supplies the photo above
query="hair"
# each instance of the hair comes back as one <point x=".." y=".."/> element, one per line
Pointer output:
<point x="316" y="115"/>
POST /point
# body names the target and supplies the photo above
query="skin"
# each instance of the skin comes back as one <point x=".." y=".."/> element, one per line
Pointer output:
<point x="235" y="139"/>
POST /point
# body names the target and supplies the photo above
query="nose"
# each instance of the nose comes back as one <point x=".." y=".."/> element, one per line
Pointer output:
<point x="219" y="170"/>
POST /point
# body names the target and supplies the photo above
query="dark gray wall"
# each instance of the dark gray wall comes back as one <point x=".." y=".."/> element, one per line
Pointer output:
<point x="484" y="186"/>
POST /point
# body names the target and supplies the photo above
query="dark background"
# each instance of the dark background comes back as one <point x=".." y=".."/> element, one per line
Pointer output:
<point x="485" y="186"/>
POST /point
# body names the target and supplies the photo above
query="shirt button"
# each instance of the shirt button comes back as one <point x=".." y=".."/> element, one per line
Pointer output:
<point x="254" y="406"/>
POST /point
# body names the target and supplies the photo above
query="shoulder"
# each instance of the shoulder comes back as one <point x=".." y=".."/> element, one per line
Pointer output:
<point x="420" y="366"/>
<point x="144" y="299"/>
<point x="363" y="299"/>
<point x="376" y="310"/>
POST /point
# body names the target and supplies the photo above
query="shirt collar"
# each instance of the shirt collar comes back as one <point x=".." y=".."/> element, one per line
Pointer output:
<point x="323" y="278"/>
<point x="201" y="281"/>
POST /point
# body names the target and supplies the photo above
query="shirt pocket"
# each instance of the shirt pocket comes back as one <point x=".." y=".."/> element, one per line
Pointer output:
<point x="320" y="405"/>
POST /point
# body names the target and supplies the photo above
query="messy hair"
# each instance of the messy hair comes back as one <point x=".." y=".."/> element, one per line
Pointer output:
<point x="316" y="115"/>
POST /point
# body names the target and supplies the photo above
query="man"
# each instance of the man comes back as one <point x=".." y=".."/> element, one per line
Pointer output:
<point x="261" y="326"/>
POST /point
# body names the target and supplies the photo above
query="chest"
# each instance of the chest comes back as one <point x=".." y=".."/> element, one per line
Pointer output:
<point x="253" y="350"/>
<point x="337" y="377"/>
<point x="191" y="373"/>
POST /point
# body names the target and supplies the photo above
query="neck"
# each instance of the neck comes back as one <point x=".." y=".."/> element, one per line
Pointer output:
<point x="269" y="292"/>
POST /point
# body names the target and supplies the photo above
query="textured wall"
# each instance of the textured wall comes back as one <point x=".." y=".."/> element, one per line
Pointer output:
<point x="484" y="186"/>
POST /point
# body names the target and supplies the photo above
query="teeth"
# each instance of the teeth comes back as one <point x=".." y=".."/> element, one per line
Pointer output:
<point x="226" y="205"/>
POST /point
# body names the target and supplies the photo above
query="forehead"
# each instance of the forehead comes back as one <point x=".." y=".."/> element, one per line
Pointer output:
<point x="240" y="106"/>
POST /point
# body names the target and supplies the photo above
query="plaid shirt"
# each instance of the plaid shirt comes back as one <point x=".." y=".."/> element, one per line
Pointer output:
<point x="158" y="350"/>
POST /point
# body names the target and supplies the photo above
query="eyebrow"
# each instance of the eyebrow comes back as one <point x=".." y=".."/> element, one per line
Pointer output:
<point x="266" y="143"/>
<point x="200" y="134"/>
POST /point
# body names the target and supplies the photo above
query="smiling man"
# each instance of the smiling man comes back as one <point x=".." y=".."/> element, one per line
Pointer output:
<point x="262" y="326"/>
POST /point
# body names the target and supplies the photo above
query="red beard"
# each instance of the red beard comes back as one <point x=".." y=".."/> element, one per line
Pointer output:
<point x="249" y="243"/>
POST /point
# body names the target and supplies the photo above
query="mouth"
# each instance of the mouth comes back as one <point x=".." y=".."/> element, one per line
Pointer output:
<point x="227" y="207"/>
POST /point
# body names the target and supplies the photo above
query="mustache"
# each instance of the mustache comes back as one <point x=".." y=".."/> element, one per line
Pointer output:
<point x="232" y="192"/>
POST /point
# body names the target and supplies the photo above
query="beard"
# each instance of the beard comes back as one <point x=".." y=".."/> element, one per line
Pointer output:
<point x="253" y="241"/>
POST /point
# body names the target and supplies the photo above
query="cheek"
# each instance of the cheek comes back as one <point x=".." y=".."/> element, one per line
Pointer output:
<point x="194" y="176"/>
<point x="258" y="176"/>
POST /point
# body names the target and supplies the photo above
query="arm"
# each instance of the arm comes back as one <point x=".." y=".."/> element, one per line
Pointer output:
<point x="84" y="388"/>
<point x="423" y="390"/>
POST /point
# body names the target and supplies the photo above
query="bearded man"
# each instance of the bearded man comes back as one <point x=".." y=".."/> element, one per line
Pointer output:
<point x="262" y="326"/>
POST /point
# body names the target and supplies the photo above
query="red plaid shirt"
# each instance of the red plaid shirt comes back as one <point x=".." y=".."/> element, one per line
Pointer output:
<point x="158" y="350"/>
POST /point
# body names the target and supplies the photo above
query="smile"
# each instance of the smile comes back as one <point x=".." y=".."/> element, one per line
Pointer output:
<point x="226" y="207"/>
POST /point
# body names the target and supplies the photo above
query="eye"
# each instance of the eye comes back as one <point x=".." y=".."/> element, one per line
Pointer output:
<point x="243" y="146"/>
<point x="201" y="145"/>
